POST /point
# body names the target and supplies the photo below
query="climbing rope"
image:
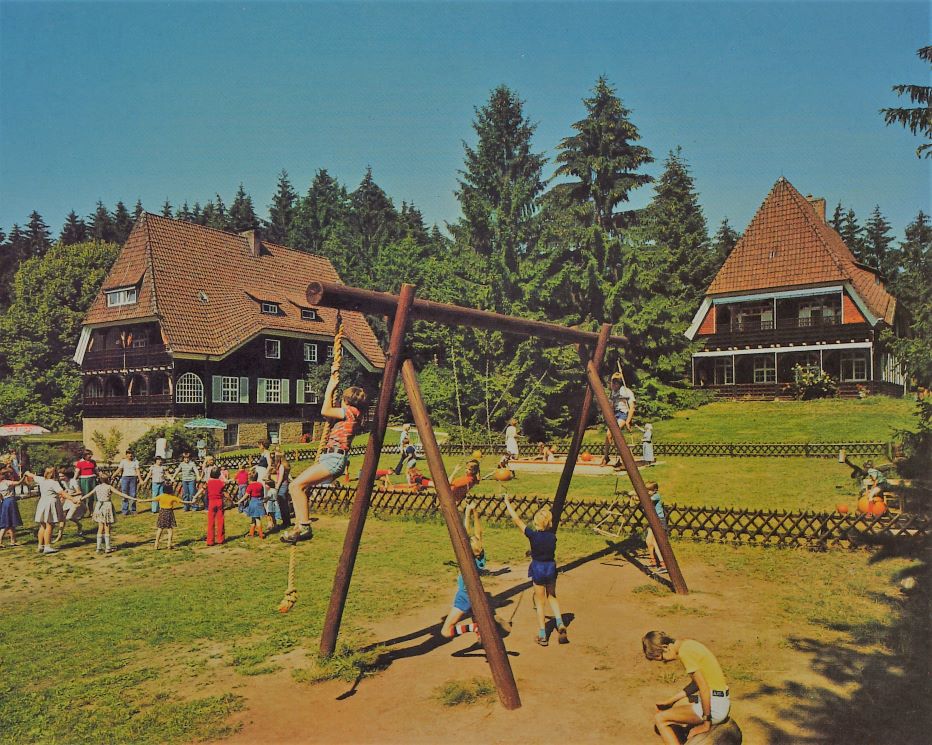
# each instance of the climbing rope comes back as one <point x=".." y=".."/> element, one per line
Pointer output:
<point x="291" y="592"/>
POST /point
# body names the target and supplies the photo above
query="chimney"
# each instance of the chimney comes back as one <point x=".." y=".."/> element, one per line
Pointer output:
<point x="818" y="204"/>
<point x="254" y="242"/>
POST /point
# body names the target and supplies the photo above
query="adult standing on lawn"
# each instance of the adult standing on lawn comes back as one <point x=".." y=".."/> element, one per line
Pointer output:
<point x="188" y="474"/>
<point x="129" y="481"/>
<point x="86" y="471"/>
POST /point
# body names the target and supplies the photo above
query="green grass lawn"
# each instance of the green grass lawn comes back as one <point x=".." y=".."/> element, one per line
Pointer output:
<point x="156" y="647"/>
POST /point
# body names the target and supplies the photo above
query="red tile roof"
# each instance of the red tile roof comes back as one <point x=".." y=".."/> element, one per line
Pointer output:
<point x="200" y="284"/>
<point x="787" y="244"/>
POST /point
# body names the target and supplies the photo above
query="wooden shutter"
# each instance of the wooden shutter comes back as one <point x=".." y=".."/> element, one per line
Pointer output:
<point x="260" y="391"/>
<point x="286" y="398"/>
<point x="217" y="386"/>
<point x="244" y="390"/>
<point x="299" y="391"/>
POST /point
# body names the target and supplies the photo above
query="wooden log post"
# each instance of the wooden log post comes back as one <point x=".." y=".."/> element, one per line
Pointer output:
<point x="566" y="477"/>
<point x="482" y="611"/>
<point x="360" y="508"/>
<point x="663" y="542"/>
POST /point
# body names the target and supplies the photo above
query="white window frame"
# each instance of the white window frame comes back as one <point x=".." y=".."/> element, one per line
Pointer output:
<point x="310" y="351"/>
<point x="308" y="314"/>
<point x="273" y="349"/>
<point x="271" y="309"/>
<point x="765" y="370"/>
<point x="304" y="394"/>
<point x="810" y="363"/>
<point x="273" y="391"/>
<point x="189" y="389"/>
<point x="121" y="296"/>
<point x="763" y="314"/>
<point x="854" y="359"/>
<point x="228" y="389"/>
<point x="330" y="351"/>
<point x="726" y="366"/>
<point x="141" y="341"/>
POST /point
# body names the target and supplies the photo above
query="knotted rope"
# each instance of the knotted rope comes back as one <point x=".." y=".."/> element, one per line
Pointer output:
<point x="291" y="593"/>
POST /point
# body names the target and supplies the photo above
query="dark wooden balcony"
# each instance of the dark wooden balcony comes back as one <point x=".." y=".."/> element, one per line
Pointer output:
<point x="787" y="331"/>
<point x="127" y="406"/>
<point x="127" y="359"/>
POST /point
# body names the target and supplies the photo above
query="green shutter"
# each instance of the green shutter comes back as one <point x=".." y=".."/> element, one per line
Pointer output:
<point x="217" y="386"/>
<point x="286" y="398"/>
<point x="260" y="391"/>
<point x="299" y="391"/>
<point x="244" y="390"/>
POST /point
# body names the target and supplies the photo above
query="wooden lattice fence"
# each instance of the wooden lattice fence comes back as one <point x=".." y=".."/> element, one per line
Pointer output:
<point x="711" y="524"/>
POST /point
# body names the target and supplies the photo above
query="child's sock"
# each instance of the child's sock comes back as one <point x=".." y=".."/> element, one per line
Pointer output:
<point x="252" y="530"/>
<point x="464" y="628"/>
<point x="261" y="534"/>
<point x="100" y="540"/>
<point x="559" y="620"/>
<point x="107" y="541"/>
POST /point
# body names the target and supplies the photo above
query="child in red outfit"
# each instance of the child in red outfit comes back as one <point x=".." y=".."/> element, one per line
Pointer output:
<point x="214" y="487"/>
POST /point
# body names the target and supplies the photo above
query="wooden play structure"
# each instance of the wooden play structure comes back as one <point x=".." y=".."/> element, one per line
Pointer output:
<point x="400" y="310"/>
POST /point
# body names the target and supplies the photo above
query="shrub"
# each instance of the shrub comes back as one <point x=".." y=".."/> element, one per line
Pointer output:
<point x="107" y="445"/>
<point x="179" y="439"/>
<point x="808" y="384"/>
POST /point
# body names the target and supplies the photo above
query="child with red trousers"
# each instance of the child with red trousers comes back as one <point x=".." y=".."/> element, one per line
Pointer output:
<point x="214" y="487"/>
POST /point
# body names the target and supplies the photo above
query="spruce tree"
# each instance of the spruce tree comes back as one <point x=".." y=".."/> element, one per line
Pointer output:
<point x="725" y="239"/>
<point x="122" y="223"/>
<point x="137" y="210"/>
<point x="412" y="224"/>
<point x="852" y="234"/>
<point x="282" y="210"/>
<point x="167" y="208"/>
<point x="917" y="119"/>
<point x="38" y="235"/>
<point x="320" y="214"/>
<point x="373" y="225"/>
<point x="877" y="242"/>
<point x="74" y="230"/>
<point x="218" y="218"/>
<point x="838" y="218"/>
<point x="184" y="213"/>
<point x="602" y="160"/>
<point x="242" y="214"/>
<point x="13" y="252"/>
<point x="498" y="193"/>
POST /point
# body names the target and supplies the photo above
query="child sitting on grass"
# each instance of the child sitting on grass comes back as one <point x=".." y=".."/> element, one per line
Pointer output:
<point x="543" y="569"/>
<point x="706" y="696"/>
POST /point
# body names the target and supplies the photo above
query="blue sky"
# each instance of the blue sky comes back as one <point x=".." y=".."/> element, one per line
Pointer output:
<point x="181" y="100"/>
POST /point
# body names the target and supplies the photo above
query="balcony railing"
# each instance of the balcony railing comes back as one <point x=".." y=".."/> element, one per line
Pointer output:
<point x="128" y="406"/>
<point x="124" y="359"/>
<point x="740" y="325"/>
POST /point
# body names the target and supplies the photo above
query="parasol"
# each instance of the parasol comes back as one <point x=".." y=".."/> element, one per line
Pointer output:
<point x="205" y="423"/>
<point x="18" y="430"/>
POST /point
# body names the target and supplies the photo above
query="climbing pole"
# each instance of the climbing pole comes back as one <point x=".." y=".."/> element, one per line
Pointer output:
<point x="291" y="592"/>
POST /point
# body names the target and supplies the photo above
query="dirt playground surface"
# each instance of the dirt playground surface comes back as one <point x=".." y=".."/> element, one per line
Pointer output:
<point x="597" y="689"/>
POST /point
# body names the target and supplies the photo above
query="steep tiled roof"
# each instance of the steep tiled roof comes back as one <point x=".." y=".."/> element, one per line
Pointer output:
<point x="787" y="244"/>
<point x="204" y="286"/>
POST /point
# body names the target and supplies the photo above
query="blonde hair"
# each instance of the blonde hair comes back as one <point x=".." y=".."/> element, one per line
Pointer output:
<point x="543" y="519"/>
<point x="476" y="543"/>
<point x="50" y="472"/>
<point x="654" y="642"/>
<point x="354" y="396"/>
<point x="651" y="485"/>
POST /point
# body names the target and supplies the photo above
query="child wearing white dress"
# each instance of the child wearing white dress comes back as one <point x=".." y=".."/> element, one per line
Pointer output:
<point x="103" y="511"/>
<point x="48" y="509"/>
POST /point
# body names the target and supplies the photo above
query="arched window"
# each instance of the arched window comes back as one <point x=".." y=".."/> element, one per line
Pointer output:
<point x="189" y="389"/>
<point x="113" y="388"/>
<point x="138" y="386"/>
<point x="94" y="388"/>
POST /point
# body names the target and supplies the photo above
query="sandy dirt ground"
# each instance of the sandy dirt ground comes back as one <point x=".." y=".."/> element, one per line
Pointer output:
<point x="597" y="689"/>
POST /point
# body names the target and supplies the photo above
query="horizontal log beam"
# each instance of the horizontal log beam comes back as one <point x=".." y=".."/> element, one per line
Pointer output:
<point x="344" y="297"/>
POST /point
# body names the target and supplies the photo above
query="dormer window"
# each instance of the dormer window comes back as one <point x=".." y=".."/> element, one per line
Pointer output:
<point x="271" y="309"/>
<point x="308" y="314"/>
<point x="121" y="296"/>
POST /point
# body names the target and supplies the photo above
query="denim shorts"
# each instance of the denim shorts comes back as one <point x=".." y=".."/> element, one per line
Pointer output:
<point x="335" y="463"/>
<point x="461" y="601"/>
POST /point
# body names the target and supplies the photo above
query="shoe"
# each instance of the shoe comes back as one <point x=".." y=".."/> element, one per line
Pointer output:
<point x="541" y="640"/>
<point x="109" y="550"/>
<point x="50" y="550"/>
<point x="564" y="639"/>
<point x="301" y="534"/>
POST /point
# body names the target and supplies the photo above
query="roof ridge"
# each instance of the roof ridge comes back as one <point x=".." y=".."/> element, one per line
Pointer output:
<point x="176" y="221"/>
<point x="150" y="268"/>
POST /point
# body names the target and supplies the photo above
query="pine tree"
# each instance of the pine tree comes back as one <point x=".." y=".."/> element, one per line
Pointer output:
<point x="219" y="218"/>
<point x="852" y="234"/>
<point x="197" y="215"/>
<point x="122" y="223"/>
<point x="726" y="238"/>
<point x="13" y="252"/>
<point x="877" y="244"/>
<point x="100" y="225"/>
<point x="167" y="208"/>
<point x="38" y="235"/>
<point x="137" y="210"/>
<point x="320" y="214"/>
<point x="74" y="230"/>
<point x="282" y="210"/>
<point x="602" y="161"/>
<point x="373" y="225"/>
<point x="498" y="194"/>
<point x="838" y="218"/>
<point x="242" y="214"/>
<point x="917" y="119"/>
<point x="675" y="221"/>
<point x="412" y="224"/>
<point x="184" y="213"/>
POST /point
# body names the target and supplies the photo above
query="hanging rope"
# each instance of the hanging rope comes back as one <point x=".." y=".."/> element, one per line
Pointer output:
<point x="291" y="592"/>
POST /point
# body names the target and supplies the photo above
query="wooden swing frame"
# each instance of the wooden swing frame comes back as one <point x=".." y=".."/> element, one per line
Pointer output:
<point x="400" y="310"/>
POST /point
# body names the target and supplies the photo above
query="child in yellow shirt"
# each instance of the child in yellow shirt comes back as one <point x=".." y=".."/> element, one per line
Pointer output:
<point x="167" y="503"/>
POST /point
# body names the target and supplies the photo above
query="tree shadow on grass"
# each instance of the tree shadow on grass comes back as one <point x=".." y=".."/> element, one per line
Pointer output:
<point x="879" y="688"/>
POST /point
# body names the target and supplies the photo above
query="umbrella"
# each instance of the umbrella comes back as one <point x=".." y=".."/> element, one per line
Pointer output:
<point x="18" y="430"/>
<point x="205" y="423"/>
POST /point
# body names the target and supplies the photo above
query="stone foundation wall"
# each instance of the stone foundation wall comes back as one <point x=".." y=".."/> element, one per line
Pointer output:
<point x="251" y="432"/>
<point x="290" y="432"/>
